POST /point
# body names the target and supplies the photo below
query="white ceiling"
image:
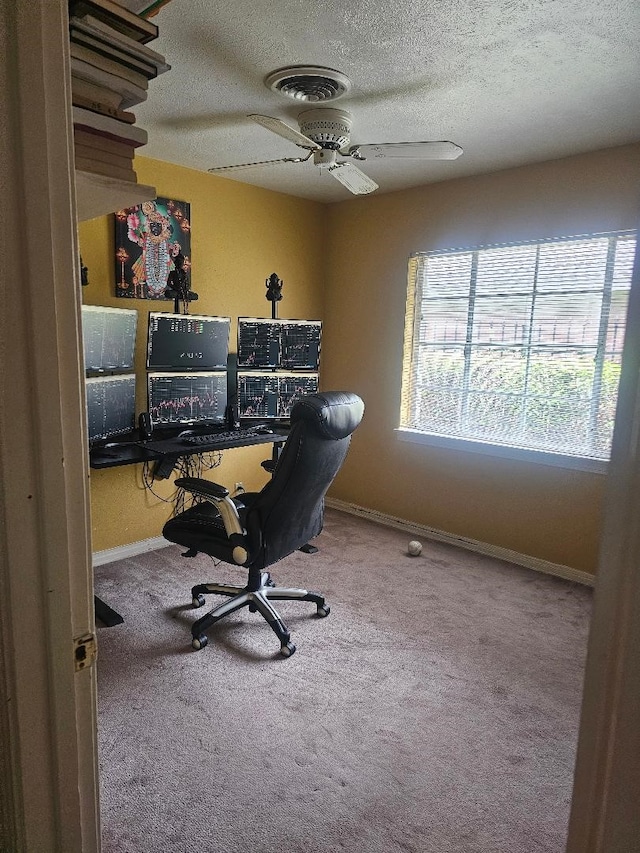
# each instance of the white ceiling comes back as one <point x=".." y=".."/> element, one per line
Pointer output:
<point x="511" y="81"/>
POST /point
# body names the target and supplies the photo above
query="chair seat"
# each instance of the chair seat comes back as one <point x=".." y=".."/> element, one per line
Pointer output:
<point x="201" y="528"/>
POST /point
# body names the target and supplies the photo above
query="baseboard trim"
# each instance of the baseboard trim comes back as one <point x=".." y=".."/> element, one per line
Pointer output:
<point x="122" y="552"/>
<point x="421" y="530"/>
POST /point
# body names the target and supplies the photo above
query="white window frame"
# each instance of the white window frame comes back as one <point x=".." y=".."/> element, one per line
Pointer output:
<point x="407" y="433"/>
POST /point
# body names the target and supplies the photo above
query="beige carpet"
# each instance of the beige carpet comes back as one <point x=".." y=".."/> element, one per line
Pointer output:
<point x="434" y="711"/>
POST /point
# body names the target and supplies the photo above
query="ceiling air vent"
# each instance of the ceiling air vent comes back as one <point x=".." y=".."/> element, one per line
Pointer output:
<point x="308" y="83"/>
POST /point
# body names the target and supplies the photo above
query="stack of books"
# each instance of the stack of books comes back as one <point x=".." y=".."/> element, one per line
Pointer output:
<point x="111" y="66"/>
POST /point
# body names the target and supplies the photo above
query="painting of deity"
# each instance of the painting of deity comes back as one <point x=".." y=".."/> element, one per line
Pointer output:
<point x="148" y="237"/>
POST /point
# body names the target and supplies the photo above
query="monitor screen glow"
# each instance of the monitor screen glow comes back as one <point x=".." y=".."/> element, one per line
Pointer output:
<point x="280" y="344"/>
<point x="270" y="396"/>
<point x="109" y="339"/>
<point x="188" y="398"/>
<point x="111" y="404"/>
<point x="187" y="342"/>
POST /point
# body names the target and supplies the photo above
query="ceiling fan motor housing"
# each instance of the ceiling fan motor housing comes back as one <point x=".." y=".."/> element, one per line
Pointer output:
<point x="328" y="127"/>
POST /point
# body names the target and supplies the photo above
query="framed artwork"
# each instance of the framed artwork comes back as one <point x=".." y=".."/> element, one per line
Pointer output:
<point x="148" y="237"/>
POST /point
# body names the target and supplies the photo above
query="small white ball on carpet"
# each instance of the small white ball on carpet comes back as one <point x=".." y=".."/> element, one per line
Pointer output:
<point x="415" y="548"/>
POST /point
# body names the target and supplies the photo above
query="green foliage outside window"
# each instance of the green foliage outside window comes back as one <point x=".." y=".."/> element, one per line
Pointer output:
<point x="536" y="404"/>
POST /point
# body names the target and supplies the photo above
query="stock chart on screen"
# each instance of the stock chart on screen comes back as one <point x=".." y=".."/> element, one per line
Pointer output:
<point x="109" y="338"/>
<point x="111" y="404"/>
<point x="188" y="398"/>
<point x="280" y="344"/>
<point x="267" y="396"/>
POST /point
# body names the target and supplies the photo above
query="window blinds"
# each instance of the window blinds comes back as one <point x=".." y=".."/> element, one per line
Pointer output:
<point x="519" y="344"/>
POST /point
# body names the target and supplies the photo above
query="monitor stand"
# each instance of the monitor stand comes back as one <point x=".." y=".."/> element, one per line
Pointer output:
<point x="274" y="295"/>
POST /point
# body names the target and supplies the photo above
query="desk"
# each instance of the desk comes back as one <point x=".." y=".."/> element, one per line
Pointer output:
<point x="164" y="452"/>
<point x="130" y="450"/>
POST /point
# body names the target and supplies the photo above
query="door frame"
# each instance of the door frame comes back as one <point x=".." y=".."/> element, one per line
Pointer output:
<point x="48" y="719"/>
<point x="605" y="817"/>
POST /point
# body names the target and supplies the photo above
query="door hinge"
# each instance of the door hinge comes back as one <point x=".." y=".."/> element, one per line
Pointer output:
<point x="85" y="651"/>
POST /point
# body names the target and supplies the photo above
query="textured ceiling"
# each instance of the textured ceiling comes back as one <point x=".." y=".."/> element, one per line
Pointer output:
<point x="511" y="81"/>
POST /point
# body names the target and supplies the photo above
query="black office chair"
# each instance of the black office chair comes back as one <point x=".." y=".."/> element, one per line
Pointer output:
<point x="256" y="530"/>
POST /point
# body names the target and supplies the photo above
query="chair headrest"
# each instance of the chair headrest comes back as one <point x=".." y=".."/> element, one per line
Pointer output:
<point x="335" y="413"/>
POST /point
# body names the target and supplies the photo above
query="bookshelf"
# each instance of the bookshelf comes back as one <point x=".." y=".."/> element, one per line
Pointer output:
<point x="111" y="67"/>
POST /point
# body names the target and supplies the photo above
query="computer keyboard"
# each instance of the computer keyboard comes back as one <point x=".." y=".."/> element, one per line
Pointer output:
<point x="212" y="438"/>
<point x="204" y="442"/>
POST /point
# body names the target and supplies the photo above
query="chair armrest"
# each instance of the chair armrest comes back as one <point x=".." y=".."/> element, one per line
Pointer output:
<point x="202" y="488"/>
<point x="219" y="496"/>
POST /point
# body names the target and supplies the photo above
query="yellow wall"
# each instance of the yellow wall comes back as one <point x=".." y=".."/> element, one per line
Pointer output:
<point x="240" y="235"/>
<point x="545" y="512"/>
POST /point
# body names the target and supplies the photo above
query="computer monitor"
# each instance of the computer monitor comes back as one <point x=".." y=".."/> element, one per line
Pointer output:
<point x="187" y="342"/>
<point x="281" y="344"/>
<point x="187" y="398"/>
<point x="111" y="406"/>
<point x="270" y="396"/>
<point x="109" y="338"/>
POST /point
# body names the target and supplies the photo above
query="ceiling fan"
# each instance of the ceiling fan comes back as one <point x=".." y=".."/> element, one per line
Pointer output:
<point x="325" y="133"/>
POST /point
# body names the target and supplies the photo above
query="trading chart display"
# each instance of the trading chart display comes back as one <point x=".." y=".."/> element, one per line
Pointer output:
<point x="187" y="342"/>
<point x="271" y="395"/>
<point x="258" y="343"/>
<point x="109" y="338"/>
<point x="293" y="386"/>
<point x="187" y="398"/>
<point x="300" y="345"/>
<point x="280" y="344"/>
<point x="111" y="404"/>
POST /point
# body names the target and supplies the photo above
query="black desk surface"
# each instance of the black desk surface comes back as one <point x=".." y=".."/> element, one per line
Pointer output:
<point x="118" y="453"/>
<point x="129" y="449"/>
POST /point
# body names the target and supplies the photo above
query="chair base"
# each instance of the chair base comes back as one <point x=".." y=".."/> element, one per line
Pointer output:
<point x="258" y="599"/>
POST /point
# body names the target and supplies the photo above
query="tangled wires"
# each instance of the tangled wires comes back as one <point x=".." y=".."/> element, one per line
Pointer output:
<point x="194" y="465"/>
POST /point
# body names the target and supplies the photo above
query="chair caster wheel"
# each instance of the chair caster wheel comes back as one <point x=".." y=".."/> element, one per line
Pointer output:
<point x="323" y="610"/>
<point x="287" y="649"/>
<point x="197" y="601"/>
<point x="199" y="642"/>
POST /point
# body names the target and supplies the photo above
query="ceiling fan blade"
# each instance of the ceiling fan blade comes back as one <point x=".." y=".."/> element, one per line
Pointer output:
<point x="284" y="130"/>
<point x="418" y="150"/>
<point x="241" y="166"/>
<point x="352" y="178"/>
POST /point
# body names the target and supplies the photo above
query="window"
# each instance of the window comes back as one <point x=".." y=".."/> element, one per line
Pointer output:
<point x="518" y="345"/>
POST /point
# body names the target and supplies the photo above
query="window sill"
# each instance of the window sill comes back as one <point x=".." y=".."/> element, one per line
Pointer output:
<point x="521" y="454"/>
